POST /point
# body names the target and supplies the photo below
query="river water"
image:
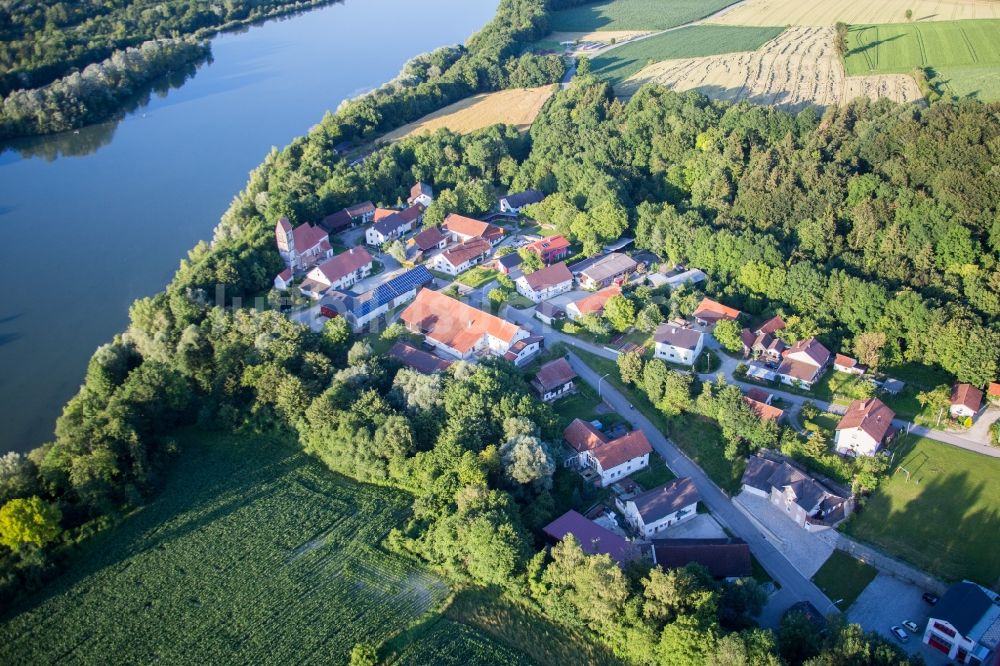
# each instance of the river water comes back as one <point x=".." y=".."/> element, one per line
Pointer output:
<point x="95" y="219"/>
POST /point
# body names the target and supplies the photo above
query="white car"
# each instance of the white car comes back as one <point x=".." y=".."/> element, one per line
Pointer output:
<point x="898" y="632"/>
<point x="911" y="626"/>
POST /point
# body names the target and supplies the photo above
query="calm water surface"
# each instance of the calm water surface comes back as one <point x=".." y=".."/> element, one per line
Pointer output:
<point x="91" y="221"/>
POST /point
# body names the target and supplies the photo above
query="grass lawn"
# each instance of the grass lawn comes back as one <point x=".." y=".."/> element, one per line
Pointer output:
<point x="965" y="54"/>
<point x="444" y="642"/>
<point x="253" y="553"/>
<point x="696" y="41"/>
<point x="477" y="277"/>
<point x="945" y="519"/>
<point x="516" y="300"/>
<point x="633" y="14"/>
<point x="828" y="422"/>
<point x="655" y="475"/>
<point x="583" y="405"/>
<point x="844" y="578"/>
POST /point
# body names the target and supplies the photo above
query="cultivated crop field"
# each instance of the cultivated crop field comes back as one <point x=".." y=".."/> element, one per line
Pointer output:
<point x="944" y="519"/>
<point x="798" y="68"/>
<point x="696" y="41"/>
<point x="634" y="14"/>
<point x="517" y="107"/>
<point x="965" y="54"/>
<point x="829" y="12"/>
<point x="254" y="553"/>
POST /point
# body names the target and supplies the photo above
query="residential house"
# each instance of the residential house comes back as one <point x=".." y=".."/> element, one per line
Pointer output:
<point x="387" y="228"/>
<point x="966" y="401"/>
<point x="524" y="349"/>
<point x="676" y="344"/>
<point x="725" y="558"/>
<point x="283" y="280"/>
<point x="459" y="329"/>
<point x="763" y="343"/>
<point x="547" y="312"/>
<point x="554" y="380"/>
<point x="613" y="461"/>
<point x="803" y="363"/>
<point x="513" y="203"/>
<point x="422" y="194"/>
<point x="675" y="277"/>
<point x="811" y="504"/>
<point x="462" y="257"/>
<point x="361" y="213"/>
<point x="359" y="310"/>
<point x="582" y="436"/>
<point x="965" y="624"/>
<point x="340" y="272"/>
<point x="759" y="401"/>
<point x="303" y="246"/>
<point x="710" y="313"/>
<point x="592" y="303"/>
<point x="428" y="240"/>
<point x="993" y="391"/>
<point x="417" y="359"/>
<point x="464" y="229"/>
<point x="549" y="250"/>
<point x="545" y="283"/>
<point x="337" y="222"/>
<point x="864" y="428"/>
<point x="847" y="365"/>
<point x="508" y="262"/>
<point x="601" y="271"/>
<point x="655" y="510"/>
<point x="593" y="539"/>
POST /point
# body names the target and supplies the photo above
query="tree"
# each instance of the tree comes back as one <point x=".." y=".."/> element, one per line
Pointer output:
<point x="630" y="366"/>
<point x="909" y="14"/>
<point x="620" y="312"/>
<point x="798" y="638"/>
<point x="29" y="521"/>
<point x="649" y="318"/>
<point x="496" y="297"/>
<point x="727" y="332"/>
<point x="337" y="332"/>
<point x="526" y="460"/>
<point x="396" y="250"/>
<point x="530" y="261"/>
<point x="676" y="393"/>
<point x="18" y="477"/>
<point x="868" y="347"/>
<point x="936" y="401"/>
<point x="363" y="654"/>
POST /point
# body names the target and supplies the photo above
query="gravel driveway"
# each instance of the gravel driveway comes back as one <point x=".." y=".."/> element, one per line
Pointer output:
<point x="806" y="552"/>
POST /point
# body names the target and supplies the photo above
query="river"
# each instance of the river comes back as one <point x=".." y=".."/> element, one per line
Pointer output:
<point x="95" y="219"/>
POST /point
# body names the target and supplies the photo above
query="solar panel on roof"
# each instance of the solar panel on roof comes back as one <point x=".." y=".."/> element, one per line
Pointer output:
<point x="394" y="288"/>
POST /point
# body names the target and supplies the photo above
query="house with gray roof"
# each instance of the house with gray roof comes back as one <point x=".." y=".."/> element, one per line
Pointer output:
<point x="677" y="344"/>
<point x="603" y="270"/>
<point x="965" y="624"/>
<point x="812" y="504"/>
<point x="655" y="510"/>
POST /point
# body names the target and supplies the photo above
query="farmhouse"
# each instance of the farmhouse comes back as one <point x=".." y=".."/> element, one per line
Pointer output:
<point x="427" y="240"/>
<point x="459" y="329"/>
<point x="864" y="428"/>
<point x="513" y="203"/>
<point x="583" y="436"/>
<point x="554" y="380"/>
<point x="422" y="194"/>
<point x="966" y="401"/>
<point x="763" y="343"/>
<point x="710" y="313"/>
<point x="546" y="312"/>
<point x="724" y="558"/>
<point x="462" y="257"/>
<point x="614" y="460"/>
<point x="340" y="272"/>
<point x="847" y="365"/>
<point x="336" y="222"/>
<point x="601" y="271"/>
<point x="417" y="359"/>
<point x="524" y="349"/>
<point x="677" y="344"/>
<point x="387" y="228"/>
<point x="592" y="303"/>
<point x="545" y="283"/>
<point x="303" y="246"/>
<point x="804" y="363"/>
<point x="655" y="510"/>
<point x="593" y="539"/>
<point x="549" y="250"/>
<point x="463" y="229"/>
<point x="361" y="213"/>
<point x="965" y="624"/>
<point x="360" y="310"/>
<point x="811" y="504"/>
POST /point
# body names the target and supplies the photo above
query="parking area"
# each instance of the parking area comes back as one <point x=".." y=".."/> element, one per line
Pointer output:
<point x="805" y="551"/>
<point x="888" y="601"/>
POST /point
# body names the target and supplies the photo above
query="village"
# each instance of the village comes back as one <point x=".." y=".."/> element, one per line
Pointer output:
<point x="505" y="287"/>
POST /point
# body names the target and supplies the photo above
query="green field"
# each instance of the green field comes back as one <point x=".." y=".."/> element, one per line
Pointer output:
<point x="449" y="643"/>
<point x="633" y="14"/>
<point x="477" y="277"/>
<point x="964" y="55"/>
<point x="843" y="578"/>
<point x="694" y="42"/>
<point x="945" y="519"/>
<point x="253" y="553"/>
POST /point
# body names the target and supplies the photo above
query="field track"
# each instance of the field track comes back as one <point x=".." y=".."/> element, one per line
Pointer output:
<point x="517" y="107"/>
<point x="828" y="12"/>
<point x="796" y="69"/>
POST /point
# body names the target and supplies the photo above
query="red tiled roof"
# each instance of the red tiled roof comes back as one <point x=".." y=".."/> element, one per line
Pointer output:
<point x="813" y="349"/>
<point x="306" y="236"/>
<point x="758" y="394"/>
<point x="555" y="373"/>
<point x="286" y="274"/>
<point x="764" y="411"/>
<point x="466" y="226"/>
<point x="871" y="415"/>
<point x="453" y="323"/>
<point x="550" y="244"/>
<point x="381" y="213"/>
<point x="582" y="436"/>
<point x="710" y="310"/>
<point x="337" y="221"/>
<point x="420" y="188"/>
<point x="621" y="450"/>
<point x="284" y="224"/>
<point x="748" y="338"/>
<point x="344" y="263"/>
<point x="994" y="390"/>
<point x="798" y="370"/>
<point x="968" y="395"/>
<point x="429" y="238"/>
<point x="549" y="276"/>
<point x="844" y="361"/>
<point x="359" y="209"/>
<point x="772" y="325"/>
<point x="595" y="302"/>
<point x="470" y="249"/>
<point x="413" y="212"/>
<point x="418" y="359"/>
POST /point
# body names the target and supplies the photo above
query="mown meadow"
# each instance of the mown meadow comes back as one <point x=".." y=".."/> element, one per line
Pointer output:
<point x="634" y="14"/>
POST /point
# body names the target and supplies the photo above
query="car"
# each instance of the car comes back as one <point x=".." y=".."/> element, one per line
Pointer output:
<point x="911" y="626"/>
<point x="898" y="632"/>
<point x="931" y="599"/>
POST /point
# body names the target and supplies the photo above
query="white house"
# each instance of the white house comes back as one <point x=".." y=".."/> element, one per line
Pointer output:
<point x="965" y="624"/>
<point x="592" y="303"/>
<point x="341" y="272"/>
<point x="847" y="365"/>
<point x="513" y="203"/>
<point x="678" y="345"/>
<point x="524" y="349"/>
<point x="283" y="279"/>
<point x="387" y="228"/>
<point x="461" y="258"/>
<point x="966" y="401"/>
<point x="545" y="283"/>
<point x="811" y="504"/>
<point x="864" y="428"/>
<point x="803" y="363"/>
<point x="615" y="460"/>
<point x="422" y="194"/>
<point x="655" y="510"/>
<point x="554" y="380"/>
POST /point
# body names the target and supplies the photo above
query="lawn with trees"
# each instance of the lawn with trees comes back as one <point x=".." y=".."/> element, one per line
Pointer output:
<point x="843" y="578"/>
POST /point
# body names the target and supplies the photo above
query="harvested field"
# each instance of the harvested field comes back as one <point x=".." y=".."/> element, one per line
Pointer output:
<point x="517" y="107"/>
<point x="797" y="12"/>
<point x="799" y="68"/>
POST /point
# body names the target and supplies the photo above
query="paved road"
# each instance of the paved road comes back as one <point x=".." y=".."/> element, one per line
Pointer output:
<point x="794" y="586"/>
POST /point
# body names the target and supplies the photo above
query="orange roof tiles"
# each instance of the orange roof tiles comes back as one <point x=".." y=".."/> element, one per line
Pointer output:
<point x="595" y="302"/>
<point x="452" y="323"/>
<point x="710" y="310"/>
<point x="871" y="415"/>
